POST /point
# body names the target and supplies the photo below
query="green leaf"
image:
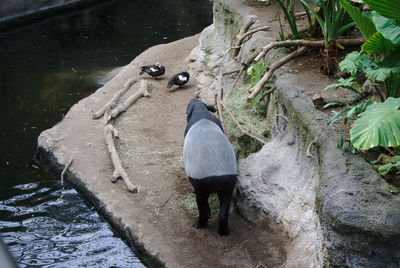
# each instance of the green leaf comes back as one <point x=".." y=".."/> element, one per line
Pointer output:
<point x="387" y="8"/>
<point x="364" y="23"/>
<point x="256" y="72"/>
<point x="392" y="167"/>
<point x="351" y="62"/>
<point x="340" y="141"/>
<point x="387" y="28"/>
<point x="378" y="125"/>
<point x="393" y="190"/>
<point x="335" y="117"/>
<point x="332" y="103"/>
<point x="377" y="43"/>
<point x="381" y="73"/>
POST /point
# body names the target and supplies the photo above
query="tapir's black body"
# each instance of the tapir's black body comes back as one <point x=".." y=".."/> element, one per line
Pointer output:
<point x="210" y="162"/>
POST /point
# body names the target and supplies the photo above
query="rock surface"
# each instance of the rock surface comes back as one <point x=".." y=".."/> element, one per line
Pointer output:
<point x="335" y="209"/>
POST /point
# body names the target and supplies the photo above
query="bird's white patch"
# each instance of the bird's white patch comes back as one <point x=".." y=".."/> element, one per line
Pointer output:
<point x="153" y="69"/>
<point x="182" y="78"/>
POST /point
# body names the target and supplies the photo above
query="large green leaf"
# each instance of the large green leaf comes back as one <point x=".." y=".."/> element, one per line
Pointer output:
<point x="387" y="28"/>
<point x="387" y="8"/>
<point x="351" y="62"/>
<point x="364" y="23"/>
<point x="378" y="125"/>
<point x="377" y="43"/>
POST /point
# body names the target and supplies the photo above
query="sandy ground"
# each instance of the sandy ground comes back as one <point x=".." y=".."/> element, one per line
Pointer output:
<point x="150" y="148"/>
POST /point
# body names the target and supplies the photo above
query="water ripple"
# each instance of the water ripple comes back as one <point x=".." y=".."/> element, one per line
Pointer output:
<point x="46" y="226"/>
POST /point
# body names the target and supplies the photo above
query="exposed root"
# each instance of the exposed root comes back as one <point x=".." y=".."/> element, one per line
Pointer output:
<point x="142" y="92"/>
<point x="245" y="132"/>
<point x="257" y="88"/>
<point x="113" y="102"/>
<point x="109" y="133"/>
<point x="64" y="170"/>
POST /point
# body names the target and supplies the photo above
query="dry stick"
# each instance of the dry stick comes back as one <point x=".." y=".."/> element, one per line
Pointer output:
<point x="254" y="91"/>
<point x="142" y="92"/>
<point x="307" y="43"/>
<point x="240" y="39"/>
<point x="269" y="91"/>
<point x="242" y="31"/>
<point x="218" y="99"/>
<point x="119" y="172"/>
<point x="245" y="132"/>
<point x="64" y="170"/>
<point x="308" y="154"/>
<point x="113" y="102"/>
<point x="231" y="72"/>
<point x="246" y="62"/>
<point x="219" y="112"/>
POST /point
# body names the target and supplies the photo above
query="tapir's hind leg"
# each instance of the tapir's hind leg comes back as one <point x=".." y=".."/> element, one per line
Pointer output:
<point x="224" y="203"/>
<point x="204" y="209"/>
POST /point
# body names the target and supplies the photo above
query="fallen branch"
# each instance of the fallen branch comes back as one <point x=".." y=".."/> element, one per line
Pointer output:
<point x="113" y="102"/>
<point x="245" y="64"/>
<point x="241" y="37"/>
<point x="306" y="43"/>
<point x="142" y="92"/>
<point x="245" y="132"/>
<point x="242" y="31"/>
<point x="64" y="170"/>
<point x="269" y="91"/>
<point x="260" y="84"/>
<point x="109" y="133"/>
<point x="231" y="72"/>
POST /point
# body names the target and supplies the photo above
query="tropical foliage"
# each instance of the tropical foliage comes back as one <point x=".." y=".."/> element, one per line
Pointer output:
<point x="378" y="61"/>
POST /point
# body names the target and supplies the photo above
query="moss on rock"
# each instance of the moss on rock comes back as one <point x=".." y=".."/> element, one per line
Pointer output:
<point x="251" y="117"/>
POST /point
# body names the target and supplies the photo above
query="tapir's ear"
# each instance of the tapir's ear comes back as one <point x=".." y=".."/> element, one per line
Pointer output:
<point x="211" y="108"/>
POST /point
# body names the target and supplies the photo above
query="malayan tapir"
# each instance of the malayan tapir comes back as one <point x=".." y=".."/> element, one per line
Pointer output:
<point x="210" y="162"/>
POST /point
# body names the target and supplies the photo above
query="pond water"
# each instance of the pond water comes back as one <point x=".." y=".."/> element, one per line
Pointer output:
<point x="45" y="68"/>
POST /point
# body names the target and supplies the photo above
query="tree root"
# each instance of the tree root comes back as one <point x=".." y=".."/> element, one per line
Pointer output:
<point x="142" y="92"/>
<point x="109" y="134"/>
<point x="257" y="88"/>
<point x="113" y="102"/>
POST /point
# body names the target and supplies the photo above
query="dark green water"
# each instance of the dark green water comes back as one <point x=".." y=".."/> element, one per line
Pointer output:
<point x="45" y="68"/>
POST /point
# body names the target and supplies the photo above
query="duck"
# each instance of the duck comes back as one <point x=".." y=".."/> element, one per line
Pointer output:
<point x="153" y="70"/>
<point x="179" y="79"/>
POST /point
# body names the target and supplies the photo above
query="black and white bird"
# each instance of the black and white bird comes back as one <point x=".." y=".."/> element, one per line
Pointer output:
<point x="179" y="79"/>
<point x="153" y="70"/>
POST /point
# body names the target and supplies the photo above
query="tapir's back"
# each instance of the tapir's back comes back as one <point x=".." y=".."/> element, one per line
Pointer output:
<point x="207" y="152"/>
